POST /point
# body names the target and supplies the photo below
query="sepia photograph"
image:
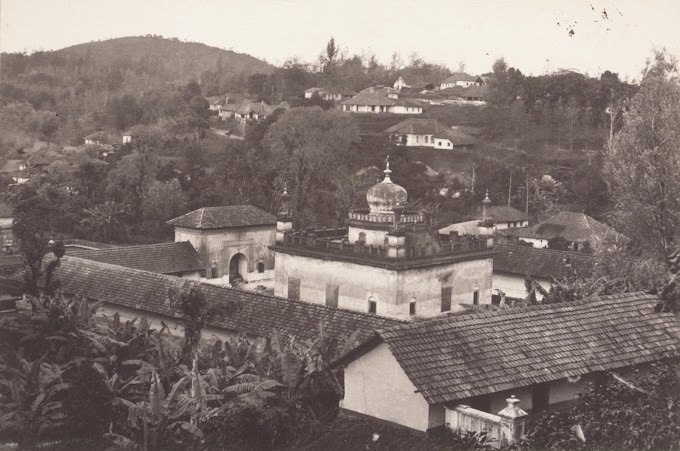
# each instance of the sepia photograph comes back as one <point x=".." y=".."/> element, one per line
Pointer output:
<point x="338" y="225"/>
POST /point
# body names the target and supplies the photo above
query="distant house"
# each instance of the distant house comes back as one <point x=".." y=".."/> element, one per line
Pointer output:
<point x="215" y="102"/>
<point x="228" y="110"/>
<point x="428" y="133"/>
<point x="174" y="259"/>
<point x="330" y="94"/>
<point x="252" y="111"/>
<point x="424" y="86"/>
<point x="17" y="170"/>
<point x="6" y="222"/>
<point x="98" y="139"/>
<point x="470" y="364"/>
<point x="367" y="102"/>
<point x="400" y="83"/>
<point x="385" y="91"/>
<point x="579" y="229"/>
<point x="461" y="79"/>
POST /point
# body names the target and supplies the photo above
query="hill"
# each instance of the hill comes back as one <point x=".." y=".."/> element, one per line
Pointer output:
<point x="174" y="59"/>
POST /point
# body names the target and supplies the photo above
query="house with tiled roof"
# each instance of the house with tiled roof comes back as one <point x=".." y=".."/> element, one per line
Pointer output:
<point x="385" y="91"/>
<point x="579" y="229"/>
<point x="17" y="170"/>
<point x="99" y="138"/>
<point x="470" y="364"/>
<point x="249" y="111"/>
<point x="488" y="219"/>
<point x="461" y="79"/>
<point x="414" y="132"/>
<point x="330" y="94"/>
<point x="135" y="293"/>
<point x="512" y="264"/>
<point x="374" y="102"/>
<point x="175" y="259"/>
<point x="455" y="94"/>
<point x="232" y="242"/>
<point x="6" y="221"/>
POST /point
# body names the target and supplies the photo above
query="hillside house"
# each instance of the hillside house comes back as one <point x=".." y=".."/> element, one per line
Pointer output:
<point x="7" y="243"/>
<point x="330" y="94"/>
<point x="461" y="79"/>
<point x="544" y="355"/>
<point x="388" y="261"/>
<point x="228" y="110"/>
<point x="215" y="102"/>
<point x="579" y="229"/>
<point x="384" y="91"/>
<point x="400" y="84"/>
<point x="178" y="259"/>
<point x="365" y="102"/>
<point x="233" y="243"/>
<point x="100" y="138"/>
<point x="17" y="170"/>
<point x="428" y="133"/>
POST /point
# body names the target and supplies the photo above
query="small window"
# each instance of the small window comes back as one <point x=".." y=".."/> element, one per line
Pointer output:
<point x="446" y="299"/>
<point x="475" y="297"/>
<point x="412" y="308"/>
<point x="372" y="307"/>
<point x="294" y="288"/>
<point x="260" y="267"/>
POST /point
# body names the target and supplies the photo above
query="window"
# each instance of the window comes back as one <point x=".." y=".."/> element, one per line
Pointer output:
<point x="332" y="292"/>
<point x="475" y="297"/>
<point x="427" y="138"/>
<point x="260" y="267"/>
<point x="446" y="299"/>
<point x="213" y="272"/>
<point x="372" y="307"/>
<point x="412" y="308"/>
<point x="294" y="288"/>
<point x="362" y="237"/>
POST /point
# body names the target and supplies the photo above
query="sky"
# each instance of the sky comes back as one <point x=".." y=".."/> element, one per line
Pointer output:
<point x="535" y="36"/>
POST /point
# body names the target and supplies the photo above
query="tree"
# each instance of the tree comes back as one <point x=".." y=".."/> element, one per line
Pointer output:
<point x="105" y="220"/>
<point x="519" y="121"/>
<point x="162" y="201"/>
<point x="310" y="147"/>
<point x="641" y="166"/>
<point x="330" y="59"/>
<point x="46" y="124"/>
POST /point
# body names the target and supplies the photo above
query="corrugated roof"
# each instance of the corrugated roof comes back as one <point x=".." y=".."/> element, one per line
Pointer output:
<point x="458" y="357"/>
<point x="223" y="217"/>
<point x="163" y="258"/>
<point x="254" y="313"/>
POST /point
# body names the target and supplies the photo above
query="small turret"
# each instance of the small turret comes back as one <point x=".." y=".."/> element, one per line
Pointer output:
<point x="284" y="220"/>
<point x="486" y="225"/>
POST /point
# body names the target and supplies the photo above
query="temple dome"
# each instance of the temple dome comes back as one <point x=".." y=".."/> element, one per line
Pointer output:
<point x="384" y="196"/>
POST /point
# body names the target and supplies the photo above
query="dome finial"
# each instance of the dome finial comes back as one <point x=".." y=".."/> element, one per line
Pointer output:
<point x="486" y="199"/>
<point x="387" y="171"/>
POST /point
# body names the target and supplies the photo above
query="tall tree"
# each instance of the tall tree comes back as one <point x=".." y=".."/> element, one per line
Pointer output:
<point x="642" y="165"/>
<point x="310" y="147"/>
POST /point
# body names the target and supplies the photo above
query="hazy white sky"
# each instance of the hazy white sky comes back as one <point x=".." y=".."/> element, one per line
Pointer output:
<point x="533" y="35"/>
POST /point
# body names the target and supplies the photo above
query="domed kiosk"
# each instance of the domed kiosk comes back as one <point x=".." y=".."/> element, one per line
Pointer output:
<point x="387" y="261"/>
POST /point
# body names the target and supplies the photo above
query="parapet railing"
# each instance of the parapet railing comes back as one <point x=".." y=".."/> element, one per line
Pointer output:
<point x="342" y="246"/>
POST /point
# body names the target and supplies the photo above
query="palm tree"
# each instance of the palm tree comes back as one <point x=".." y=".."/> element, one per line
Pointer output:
<point x="105" y="219"/>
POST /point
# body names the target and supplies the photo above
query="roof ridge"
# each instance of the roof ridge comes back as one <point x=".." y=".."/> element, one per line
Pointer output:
<point x="453" y="318"/>
<point x="182" y="281"/>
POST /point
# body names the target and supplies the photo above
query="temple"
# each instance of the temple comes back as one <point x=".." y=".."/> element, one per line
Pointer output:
<point x="387" y="261"/>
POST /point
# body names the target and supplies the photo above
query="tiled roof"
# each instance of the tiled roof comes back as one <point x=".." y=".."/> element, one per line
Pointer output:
<point x="221" y="217"/>
<point x="259" y="108"/>
<point x="163" y="258"/>
<point x="100" y="136"/>
<point x="457" y="137"/>
<point x="86" y="244"/>
<point x="460" y="76"/>
<point x="382" y="90"/>
<point x="504" y="213"/>
<point x="467" y="91"/>
<point x="417" y="127"/>
<point x="573" y="227"/>
<point x="6" y="210"/>
<point x="254" y="313"/>
<point x="313" y="90"/>
<point x="408" y="103"/>
<point x="371" y="99"/>
<point x="463" y="228"/>
<point x="12" y="166"/>
<point x="462" y="356"/>
<point x="541" y="263"/>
